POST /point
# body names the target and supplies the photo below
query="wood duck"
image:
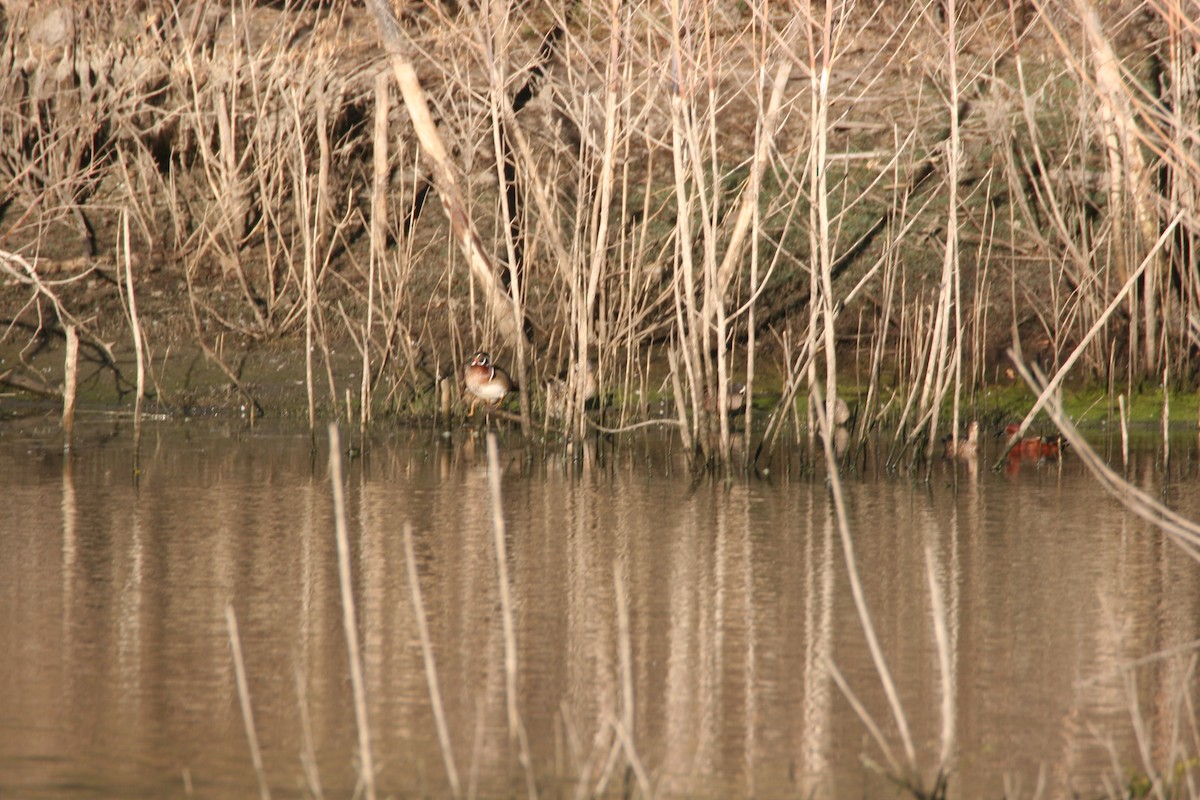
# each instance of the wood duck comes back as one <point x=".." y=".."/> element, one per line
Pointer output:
<point x="1032" y="447"/>
<point x="1052" y="447"/>
<point x="841" y="411"/>
<point x="486" y="382"/>
<point x="736" y="399"/>
<point x="559" y="390"/>
<point x="963" y="448"/>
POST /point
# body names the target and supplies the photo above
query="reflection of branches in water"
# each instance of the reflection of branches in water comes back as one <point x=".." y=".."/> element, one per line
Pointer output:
<point x="906" y="773"/>
<point x="1175" y="770"/>
<point x="1182" y="531"/>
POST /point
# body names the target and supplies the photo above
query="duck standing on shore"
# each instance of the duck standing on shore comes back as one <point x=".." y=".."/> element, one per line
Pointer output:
<point x="486" y="382"/>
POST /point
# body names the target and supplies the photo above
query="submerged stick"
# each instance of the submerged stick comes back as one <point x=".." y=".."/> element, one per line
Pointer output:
<point x="243" y="687"/>
<point x="435" y="693"/>
<point x="349" y="619"/>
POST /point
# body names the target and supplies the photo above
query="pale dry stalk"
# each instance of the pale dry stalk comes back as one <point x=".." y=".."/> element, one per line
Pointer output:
<point x="379" y="223"/>
<point x="70" y="383"/>
<point x="822" y="333"/>
<point x="134" y="322"/>
<point x="946" y="344"/>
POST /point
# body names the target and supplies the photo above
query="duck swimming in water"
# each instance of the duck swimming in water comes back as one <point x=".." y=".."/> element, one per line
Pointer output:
<point x="963" y="448"/>
<point x="1032" y="447"/>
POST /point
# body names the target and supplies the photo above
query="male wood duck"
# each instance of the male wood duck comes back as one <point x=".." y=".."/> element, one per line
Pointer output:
<point x="1032" y="447"/>
<point x="486" y="382"/>
<point x="1053" y="446"/>
<point x="963" y="448"/>
<point x="1029" y="447"/>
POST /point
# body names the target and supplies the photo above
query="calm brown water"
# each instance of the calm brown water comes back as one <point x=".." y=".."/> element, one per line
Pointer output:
<point x="118" y="679"/>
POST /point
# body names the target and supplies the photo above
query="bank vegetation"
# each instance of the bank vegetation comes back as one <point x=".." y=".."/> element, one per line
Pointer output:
<point x="873" y="199"/>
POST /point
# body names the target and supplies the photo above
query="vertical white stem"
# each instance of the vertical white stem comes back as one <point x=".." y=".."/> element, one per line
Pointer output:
<point x="138" y="347"/>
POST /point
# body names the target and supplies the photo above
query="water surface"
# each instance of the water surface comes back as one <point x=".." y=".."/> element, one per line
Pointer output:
<point x="118" y="678"/>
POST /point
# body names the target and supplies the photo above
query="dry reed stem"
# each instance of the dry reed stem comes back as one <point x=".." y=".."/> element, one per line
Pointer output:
<point x="684" y="281"/>
<point x="134" y="323"/>
<point x="585" y="307"/>
<point x="516" y="728"/>
<point x="431" y="677"/>
<point x="950" y="296"/>
<point x="379" y="221"/>
<point x="243" y="687"/>
<point x="823" y="314"/>
<point x="70" y="382"/>
<point x="750" y="200"/>
<point x="1124" y="435"/>
<point x="686" y="432"/>
<point x="349" y="617"/>
<point x="310" y="304"/>
<point x="1166" y="419"/>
